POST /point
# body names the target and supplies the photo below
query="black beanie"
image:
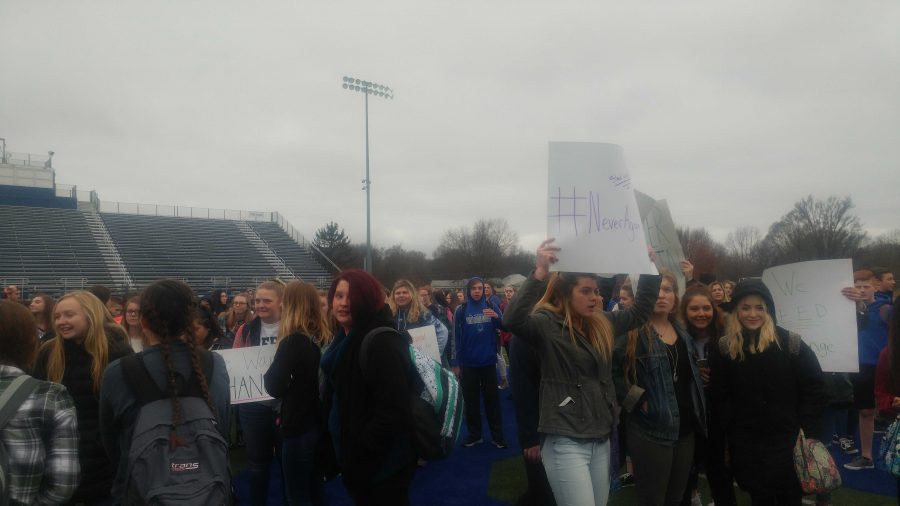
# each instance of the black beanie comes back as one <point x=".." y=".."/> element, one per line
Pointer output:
<point x="753" y="286"/>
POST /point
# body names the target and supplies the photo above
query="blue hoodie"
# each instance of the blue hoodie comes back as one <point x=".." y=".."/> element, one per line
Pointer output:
<point x="475" y="333"/>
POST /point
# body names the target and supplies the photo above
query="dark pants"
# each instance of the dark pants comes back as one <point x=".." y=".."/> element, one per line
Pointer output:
<point x="773" y="499"/>
<point x="394" y="490"/>
<point x="660" y="471"/>
<point x="302" y="485"/>
<point x="539" y="492"/>
<point x="709" y="454"/>
<point x="480" y="382"/>
<point x="262" y="439"/>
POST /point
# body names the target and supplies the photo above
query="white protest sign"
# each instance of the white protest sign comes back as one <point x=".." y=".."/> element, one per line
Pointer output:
<point x="246" y="367"/>
<point x="424" y="339"/>
<point x="659" y="231"/>
<point x="592" y="212"/>
<point x="808" y="301"/>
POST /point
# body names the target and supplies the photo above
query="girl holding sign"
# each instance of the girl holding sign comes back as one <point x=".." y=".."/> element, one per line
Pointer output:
<point x="561" y="315"/>
<point x="409" y="313"/>
<point x="766" y="385"/>
<point x="258" y="419"/>
<point x="658" y="383"/>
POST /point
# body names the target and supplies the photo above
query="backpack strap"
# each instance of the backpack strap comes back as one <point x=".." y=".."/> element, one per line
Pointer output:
<point x="366" y="342"/>
<point x="144" y="386"/>
<point x="193" y="388"/>
<point x="139" y="380"/>
<point x="14" y="396"/>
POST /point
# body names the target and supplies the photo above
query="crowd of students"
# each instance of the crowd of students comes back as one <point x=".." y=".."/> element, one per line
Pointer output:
<point x="648" y="390"/>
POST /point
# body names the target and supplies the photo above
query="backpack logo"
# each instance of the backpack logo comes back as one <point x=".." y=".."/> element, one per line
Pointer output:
<point x="184" y="467"/>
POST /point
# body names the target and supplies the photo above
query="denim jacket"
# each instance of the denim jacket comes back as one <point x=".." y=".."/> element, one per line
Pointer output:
<point x="655" y="386"/>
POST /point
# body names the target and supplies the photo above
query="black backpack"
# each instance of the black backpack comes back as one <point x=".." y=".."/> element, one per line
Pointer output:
<point x="14" y="395"/>
<point x="197" y="473"/>
<point x="435" y="400"/>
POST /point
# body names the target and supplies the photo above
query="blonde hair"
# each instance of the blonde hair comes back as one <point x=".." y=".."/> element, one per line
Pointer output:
<point x="734" y="333"/>
<point x="302" y="312"/>
<point x="96" y="342"/>
<point x="416" y="309"/>
<point x="648" y="330"/>
<point x="558" y="299"/>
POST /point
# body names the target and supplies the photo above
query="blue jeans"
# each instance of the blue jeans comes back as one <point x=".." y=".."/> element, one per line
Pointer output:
<point x="302" y="485"/>
<point x="578" y="470"/>
<point x="261" y="437"/>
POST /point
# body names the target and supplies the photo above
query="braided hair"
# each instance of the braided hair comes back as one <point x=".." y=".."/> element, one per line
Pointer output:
<point x="167" y="308"/>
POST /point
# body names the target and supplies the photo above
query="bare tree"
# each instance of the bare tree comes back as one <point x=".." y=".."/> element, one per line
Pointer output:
<point x="700" y="248"/>
<point x="814" y="230"/>
<point x="480" y="250"/>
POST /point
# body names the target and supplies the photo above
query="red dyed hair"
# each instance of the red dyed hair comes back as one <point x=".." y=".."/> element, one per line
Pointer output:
<point x="366" y="297"/>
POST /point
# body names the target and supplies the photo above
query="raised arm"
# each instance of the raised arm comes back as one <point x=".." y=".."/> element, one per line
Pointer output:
<point x="518" y="314"/>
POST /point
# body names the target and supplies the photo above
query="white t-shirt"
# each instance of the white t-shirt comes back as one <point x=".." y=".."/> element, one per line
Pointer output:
<point x="268" y="333"/>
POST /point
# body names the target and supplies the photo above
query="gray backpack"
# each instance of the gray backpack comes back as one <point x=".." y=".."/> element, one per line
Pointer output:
<point x="195" y="473"/>
<point x="11" y="400"/>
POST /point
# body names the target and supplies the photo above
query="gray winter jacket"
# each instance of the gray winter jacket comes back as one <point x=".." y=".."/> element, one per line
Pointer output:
<point x="578" y="398"/>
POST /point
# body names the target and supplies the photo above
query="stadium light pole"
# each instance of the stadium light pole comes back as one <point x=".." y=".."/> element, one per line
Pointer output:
<point x="379" y="90"/>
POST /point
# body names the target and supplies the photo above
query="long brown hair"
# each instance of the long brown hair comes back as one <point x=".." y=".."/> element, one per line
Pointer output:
<point x="45" y="317"/>
<point x="558" y="299"/>
<point x="231" y="317"/>
<point x="167" y="311"/>
<point x="96" y="342"/>
<point x="716" y="328"/>
<point x="647" y="331"/>
<point x="18" y="335"/>
<point x="301" y="311"/>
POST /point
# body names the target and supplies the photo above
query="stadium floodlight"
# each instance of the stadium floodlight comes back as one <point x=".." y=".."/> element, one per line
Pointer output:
<point x="379" y="90"/>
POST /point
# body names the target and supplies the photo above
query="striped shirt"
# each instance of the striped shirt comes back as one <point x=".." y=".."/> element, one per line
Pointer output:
<point x="41" y="441"/>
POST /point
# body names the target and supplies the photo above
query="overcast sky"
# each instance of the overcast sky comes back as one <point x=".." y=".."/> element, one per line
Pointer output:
<point x="730" y="111"/>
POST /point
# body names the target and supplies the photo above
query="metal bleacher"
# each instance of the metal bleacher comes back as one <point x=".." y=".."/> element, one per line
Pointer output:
<point x="299" y="259"/>
<point x="52" y="250"/>
<point x="204" y="253"/>
<point x="59" y="250"/>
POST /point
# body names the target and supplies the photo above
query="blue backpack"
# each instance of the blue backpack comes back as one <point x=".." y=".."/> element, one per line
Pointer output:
<point x="435" y="400"/>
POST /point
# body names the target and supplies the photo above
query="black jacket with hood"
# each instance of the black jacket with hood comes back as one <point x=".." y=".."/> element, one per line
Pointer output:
<point x="764" y="400"/>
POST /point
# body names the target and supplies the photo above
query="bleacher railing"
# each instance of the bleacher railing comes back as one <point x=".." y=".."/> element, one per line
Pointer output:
<point x="182" y="211"/>
<point x="301" y="240"/>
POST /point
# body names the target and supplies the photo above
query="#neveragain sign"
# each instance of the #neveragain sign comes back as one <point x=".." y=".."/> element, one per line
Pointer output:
<point x="592" y="212"/>
<point x="246" y="367"/>
<point x="808" y="301"/>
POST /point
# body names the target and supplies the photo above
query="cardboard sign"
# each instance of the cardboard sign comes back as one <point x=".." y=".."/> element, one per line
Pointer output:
<point x="808" y="301"/>
<point x="425" y="340"/>
<point x="592" y="212"/>
<point x="246" y="367"/>
<point x="659" y="231"/>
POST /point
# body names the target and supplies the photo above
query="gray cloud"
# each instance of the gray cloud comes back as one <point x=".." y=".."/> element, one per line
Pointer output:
<point x="732" y="112"/>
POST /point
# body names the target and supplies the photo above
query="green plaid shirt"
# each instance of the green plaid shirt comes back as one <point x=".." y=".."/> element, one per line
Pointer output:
<point x="41" y="441"/>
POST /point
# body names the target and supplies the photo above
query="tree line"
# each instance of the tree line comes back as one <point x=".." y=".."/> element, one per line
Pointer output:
<point x="812" y="230"/>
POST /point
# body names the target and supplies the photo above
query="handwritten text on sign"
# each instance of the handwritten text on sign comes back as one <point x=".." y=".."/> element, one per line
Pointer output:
<point x="591" y="210"/>
<point x="246" y="367"/>
<point x="808" y="301"/>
